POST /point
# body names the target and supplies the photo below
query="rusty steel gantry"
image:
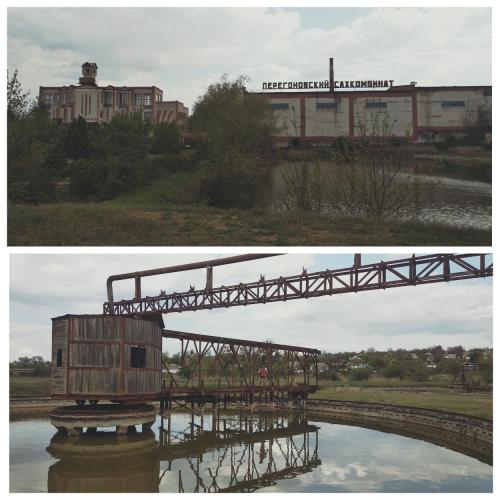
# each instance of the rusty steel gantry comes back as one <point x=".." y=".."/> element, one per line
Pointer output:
<point x="223" y="369"/>
<point x="411" y="271"/>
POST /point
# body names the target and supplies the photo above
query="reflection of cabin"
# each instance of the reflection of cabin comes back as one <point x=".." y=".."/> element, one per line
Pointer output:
<point x="97" y="357"/>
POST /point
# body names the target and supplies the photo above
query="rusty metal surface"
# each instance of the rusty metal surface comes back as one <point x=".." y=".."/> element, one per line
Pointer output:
<point x="221" y="365"/>
<point x="206" y="264"/>
<point x="174" y="334"/>
<point x="411" y="271"/>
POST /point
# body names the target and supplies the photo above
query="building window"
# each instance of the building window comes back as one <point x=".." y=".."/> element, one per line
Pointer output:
<point x="107" y="98"/>
<point x="452" y="104"/>
<point x="123" y="99"/>
<point x="279" y="105"/>
<point x="147" y="100"/>
<point x="375" y="105"/>
<point x="158" y="97"/>
<point x="71" y="98"/>
<point x="137" y="99"/>
<point x="49" y="99"/>
<point x="138" y="357"/>
<point x="327" y="105"/>
<point x="59" y="358"/>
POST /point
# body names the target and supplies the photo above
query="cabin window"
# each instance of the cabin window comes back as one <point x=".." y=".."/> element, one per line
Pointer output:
<point x="59" y="358"/>
<point x="138" y="357"/>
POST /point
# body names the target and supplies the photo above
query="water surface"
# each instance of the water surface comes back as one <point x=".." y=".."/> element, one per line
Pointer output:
<point x="241" y="453"/>
<point x="447" y="196"/>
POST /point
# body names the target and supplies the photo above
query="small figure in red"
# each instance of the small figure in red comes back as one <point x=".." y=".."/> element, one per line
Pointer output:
<point x="262" y="375"/>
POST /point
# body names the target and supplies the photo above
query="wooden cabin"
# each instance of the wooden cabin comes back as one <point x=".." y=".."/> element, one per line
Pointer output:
<point x="97" y="357"/>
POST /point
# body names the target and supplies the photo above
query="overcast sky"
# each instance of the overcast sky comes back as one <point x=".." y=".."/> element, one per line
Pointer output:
<point x="183" y="50"/>
<point x="46" y="286"/>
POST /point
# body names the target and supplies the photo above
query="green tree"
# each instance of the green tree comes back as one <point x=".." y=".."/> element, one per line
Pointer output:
<point x="126" y="136"/>
<point x="475" y="355"/>
<point x="451" y="367"/>
<point x="18" y="100"/>
<point x="77" y="143"/>
<point x="166" y="138"/>
<point x="34" y="154"/>
<point x="228" y="116"/>
<point x="394" y="369"/>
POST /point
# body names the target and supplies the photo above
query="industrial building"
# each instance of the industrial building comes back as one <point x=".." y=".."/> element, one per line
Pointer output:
<point x="422" y="114"/>
<point x="352" y="108"/>
<point x="100" y="104"/>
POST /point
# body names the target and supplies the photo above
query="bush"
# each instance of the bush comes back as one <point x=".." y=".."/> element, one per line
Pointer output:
<point x="394" y="369"/>
<point x="166" y="138"/>
<point x="360" y="374"/>
<point x="234" y="183"/>
<point x="185" y="372"/>
<point x="102" y="179"/>
<point x="334" y="376"/>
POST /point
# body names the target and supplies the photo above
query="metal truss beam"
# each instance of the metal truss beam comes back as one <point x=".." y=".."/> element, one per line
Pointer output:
<point x="412" y="271"/>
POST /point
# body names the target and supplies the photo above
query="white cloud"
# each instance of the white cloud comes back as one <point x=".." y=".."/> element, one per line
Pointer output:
<point x="184" y="50"/>
<point x="45" y="286"/>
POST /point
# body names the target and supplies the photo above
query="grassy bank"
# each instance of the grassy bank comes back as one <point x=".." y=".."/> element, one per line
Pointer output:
<point x="479" y="405"/>
<point x="133" y="222"/>
<point x="29" y="386"/>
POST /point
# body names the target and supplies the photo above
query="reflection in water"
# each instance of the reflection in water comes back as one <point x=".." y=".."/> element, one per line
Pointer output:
<point x="103" y="462"/>
<point x="246" y="453"/>
<point x="447" y="197"/>
<point x="238" y="452"/>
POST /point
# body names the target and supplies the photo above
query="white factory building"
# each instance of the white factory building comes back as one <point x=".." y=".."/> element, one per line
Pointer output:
<point x="99" y="104"/>
<point x="422" y="114"/>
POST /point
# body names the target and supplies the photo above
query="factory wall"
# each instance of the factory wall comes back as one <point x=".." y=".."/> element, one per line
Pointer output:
<point x="419" y="114"/>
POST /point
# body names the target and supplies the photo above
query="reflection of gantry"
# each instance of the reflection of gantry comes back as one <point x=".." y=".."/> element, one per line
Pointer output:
<point x="230" y="452"/>
<point x="248" y="452"/>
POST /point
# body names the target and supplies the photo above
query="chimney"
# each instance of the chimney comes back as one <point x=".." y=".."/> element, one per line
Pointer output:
<point x="332" y="81"/>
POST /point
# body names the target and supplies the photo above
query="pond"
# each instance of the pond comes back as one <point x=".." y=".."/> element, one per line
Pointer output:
<point x="238" y="453"/>
<point x="449" y="196"/>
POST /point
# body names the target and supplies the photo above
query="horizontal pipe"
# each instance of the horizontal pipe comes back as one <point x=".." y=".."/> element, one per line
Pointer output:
<point x="184" y="267"/>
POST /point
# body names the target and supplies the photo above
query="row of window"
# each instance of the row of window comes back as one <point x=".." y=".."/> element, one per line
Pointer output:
<point x="106" y="99"/>
<point x="368" y="105"/>
<point x="137" y="357"/>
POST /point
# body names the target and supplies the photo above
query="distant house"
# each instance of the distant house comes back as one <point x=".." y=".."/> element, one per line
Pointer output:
<point x="431" y="365"/>
<point x="172" y="368"/>
<point x="450" y="356"/>
<point x="322" y="367"/>
<point x="359" y="366"/>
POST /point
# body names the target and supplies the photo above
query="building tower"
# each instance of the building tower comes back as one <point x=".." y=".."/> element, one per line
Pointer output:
<point x="89" y="73"/>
